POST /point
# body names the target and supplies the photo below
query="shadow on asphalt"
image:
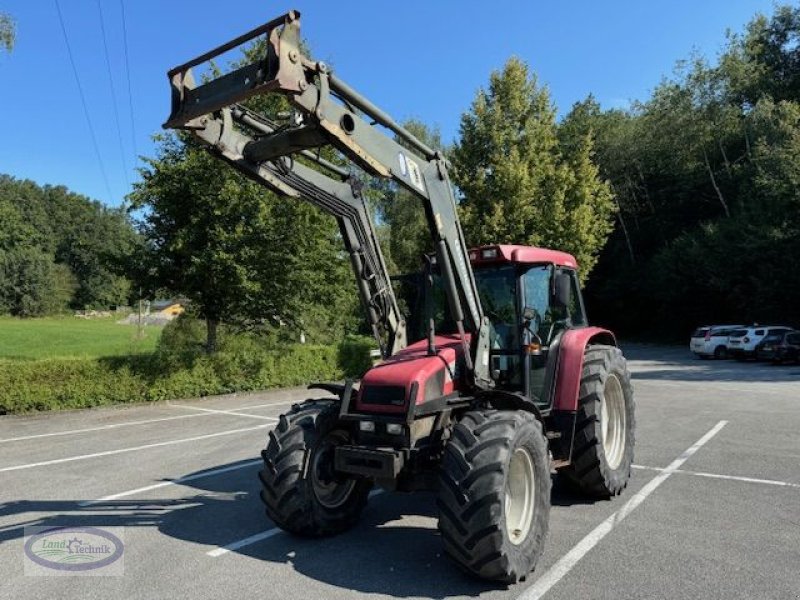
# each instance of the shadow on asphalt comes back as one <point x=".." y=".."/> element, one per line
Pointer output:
<point x="382" y="554"/>
<point x="564" y="494"/>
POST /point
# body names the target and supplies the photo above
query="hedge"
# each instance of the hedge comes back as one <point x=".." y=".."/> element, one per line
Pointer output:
<point x="241" y="366"/>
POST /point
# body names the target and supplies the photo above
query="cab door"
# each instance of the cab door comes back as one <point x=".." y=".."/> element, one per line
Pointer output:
<point x="536" y="308"/>
<point x="552" y="302"/>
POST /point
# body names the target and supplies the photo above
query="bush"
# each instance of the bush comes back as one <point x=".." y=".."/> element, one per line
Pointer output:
<point x="82" y="383"/>
<point x="354" y="355"/>
<point x="183" y="338"/>
<point x="178" y="368"/>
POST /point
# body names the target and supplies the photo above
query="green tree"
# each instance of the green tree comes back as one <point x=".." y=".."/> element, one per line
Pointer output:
<point x="238" y="252"/>
<point x="401" y="215"/>
<point x="765" y="60"/>
<point x="706" y="176"/>
<point x="7" y="32"/>
<point x="519" y="185"/>
<point x="86" y="242"/>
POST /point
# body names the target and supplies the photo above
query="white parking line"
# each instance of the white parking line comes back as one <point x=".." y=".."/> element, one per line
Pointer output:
<point x="727" y="477"/>
<point x="222" y="550"/>
<point x="571" y="558"/>
<point x="206" y="412"/>
<point x="225" y="412"/>
<point x="100" y="427"/>
<point x="245" y="542"/>
<point x="131" y="449"/>
<point x="177" y="481"/>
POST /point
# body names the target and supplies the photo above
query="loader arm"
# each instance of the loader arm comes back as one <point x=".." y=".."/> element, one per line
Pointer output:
<point x="330" y="113"/>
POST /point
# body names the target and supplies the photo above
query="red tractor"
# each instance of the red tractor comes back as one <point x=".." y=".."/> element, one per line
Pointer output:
<point x="507" y="380"/>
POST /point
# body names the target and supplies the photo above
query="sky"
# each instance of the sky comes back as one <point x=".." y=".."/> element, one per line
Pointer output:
<point x="417" y="58"/>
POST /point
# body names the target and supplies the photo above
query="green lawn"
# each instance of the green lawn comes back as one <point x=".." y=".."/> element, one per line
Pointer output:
<point x="71" y="337"/>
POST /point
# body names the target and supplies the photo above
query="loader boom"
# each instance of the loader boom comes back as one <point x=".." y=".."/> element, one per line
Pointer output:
<point x="330" y="113"/>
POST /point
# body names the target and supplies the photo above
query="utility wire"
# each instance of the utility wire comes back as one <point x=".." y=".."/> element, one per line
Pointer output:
<point x="83" y="102"/>
<point x="113" y="93"/>
<point x="128" y="74"/>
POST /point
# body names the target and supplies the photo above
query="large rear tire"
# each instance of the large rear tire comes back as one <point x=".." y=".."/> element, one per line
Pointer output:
<point x="602" y="452"/>
<point x="494" y="494"/>
<point x="301" y="492"/>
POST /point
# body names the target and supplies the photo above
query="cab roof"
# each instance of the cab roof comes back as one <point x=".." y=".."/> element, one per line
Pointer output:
<point x="520" y="255"/>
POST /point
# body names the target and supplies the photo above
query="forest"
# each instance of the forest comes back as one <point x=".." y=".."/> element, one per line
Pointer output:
<point x="61" y="251"/>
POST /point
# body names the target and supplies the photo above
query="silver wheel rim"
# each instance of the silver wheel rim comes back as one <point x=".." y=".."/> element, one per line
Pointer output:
<point x="519" y="497"/>
<point x="329" y="492"/>
<point x="612" y="421"/>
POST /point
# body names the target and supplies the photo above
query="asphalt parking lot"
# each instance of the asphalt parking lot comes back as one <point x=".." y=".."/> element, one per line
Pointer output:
<point x="712" y="510"/>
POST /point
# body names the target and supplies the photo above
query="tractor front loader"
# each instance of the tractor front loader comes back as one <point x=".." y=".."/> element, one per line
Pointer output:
<point x="492" y="382"/>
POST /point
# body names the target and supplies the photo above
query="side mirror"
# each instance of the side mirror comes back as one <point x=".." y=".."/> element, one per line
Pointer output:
<point x="563" y="289"/>
<point x="528" y="314"/>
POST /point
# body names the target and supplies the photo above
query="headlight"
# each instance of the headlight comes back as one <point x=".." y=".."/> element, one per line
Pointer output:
<point x="394" y="428"/>
<point x="366" y="426"/>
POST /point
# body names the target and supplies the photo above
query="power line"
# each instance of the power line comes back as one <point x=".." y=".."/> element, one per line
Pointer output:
<point x="128" y="74"/>
<point x="113" y="93"/>
<point x="83" y="102"/>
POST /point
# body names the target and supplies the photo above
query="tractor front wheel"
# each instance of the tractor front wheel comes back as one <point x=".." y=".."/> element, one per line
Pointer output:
<point x="602" y="451"/>
<point x="494" y="494"/>
<point x="302" y="492"/>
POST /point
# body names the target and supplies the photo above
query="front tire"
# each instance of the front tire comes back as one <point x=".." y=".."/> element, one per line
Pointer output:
<point x="494" y="494"/>
<point x="602" y="451"/>
<point x="300" y="489"/>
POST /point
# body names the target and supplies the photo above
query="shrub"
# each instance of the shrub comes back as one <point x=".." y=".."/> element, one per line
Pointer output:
<point x="179" y="368"/>
<point x="354" y="355"/>
<point x="81" y="383"/>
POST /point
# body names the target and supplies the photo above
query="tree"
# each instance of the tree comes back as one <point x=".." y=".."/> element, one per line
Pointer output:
<point x="706" y="172"/>
<point x="401" y="212"/>
<point x="85" y="242"/>
<point x="240" y="253"/>
<point x="7" y="32"/>
<point x="518" y="184"/>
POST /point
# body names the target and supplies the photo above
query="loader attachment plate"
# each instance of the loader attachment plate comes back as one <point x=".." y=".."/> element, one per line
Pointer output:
<point x="278" y="70"/>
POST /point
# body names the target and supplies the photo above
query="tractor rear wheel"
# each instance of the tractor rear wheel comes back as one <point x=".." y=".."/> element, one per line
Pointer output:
<point x="494" y="494"/>
<point x="602" y="451"/>
<point x="300" y="489"/>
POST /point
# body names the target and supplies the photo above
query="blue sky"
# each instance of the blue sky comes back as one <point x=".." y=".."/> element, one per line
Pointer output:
<point x="423" y="59"/>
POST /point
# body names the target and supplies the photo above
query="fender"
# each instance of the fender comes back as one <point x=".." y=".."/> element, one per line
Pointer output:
<point x="570" y="363"/>
<point x="504" y="400"/>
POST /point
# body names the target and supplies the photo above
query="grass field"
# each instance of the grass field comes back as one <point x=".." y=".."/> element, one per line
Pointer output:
<point x="71" y="337"/>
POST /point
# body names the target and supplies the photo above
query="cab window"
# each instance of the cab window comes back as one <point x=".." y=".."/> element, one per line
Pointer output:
<point x="575" y="307"/>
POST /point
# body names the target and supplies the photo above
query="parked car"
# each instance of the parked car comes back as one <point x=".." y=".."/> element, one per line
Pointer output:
<point x="742" y="342"/>
<point x="711" y="340"/>
<point x="780" y="348"/>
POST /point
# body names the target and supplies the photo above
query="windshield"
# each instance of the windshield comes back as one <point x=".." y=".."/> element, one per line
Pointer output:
<point x="497" y="289"/>
<point x="497" y="292"/>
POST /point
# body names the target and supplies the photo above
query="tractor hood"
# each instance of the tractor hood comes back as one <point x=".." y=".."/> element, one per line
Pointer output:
<point x="412" y="375"/>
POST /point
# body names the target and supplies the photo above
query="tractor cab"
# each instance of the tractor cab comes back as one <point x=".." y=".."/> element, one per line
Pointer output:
<point x="530" y="295"/>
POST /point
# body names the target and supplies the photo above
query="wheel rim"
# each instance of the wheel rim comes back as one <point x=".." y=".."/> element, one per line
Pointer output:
<point x="331" y="491"/>
<point x="612" y="420"/>
<point x="519" y="496"/>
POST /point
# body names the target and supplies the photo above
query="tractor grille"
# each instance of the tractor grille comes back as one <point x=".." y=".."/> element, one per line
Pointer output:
<point x="386" y="395"/>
